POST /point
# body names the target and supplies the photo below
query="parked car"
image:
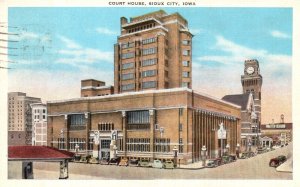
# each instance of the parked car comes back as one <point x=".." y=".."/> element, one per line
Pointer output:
<point x="232" y="158"/>
<point x="274" y="162"/>
<point x="212" y="163"/>
<point x="157" y="164"/>
<point x="144" y="163"/>
<point x="168" y="164"/>
<point x="104" y="161"/>
<point x="93" y="160"/>
<point x="133" y="162"/>
<point x="247" y="155"/>
<point x="114" y="161"/>
<point x="123" y="162"/>
<point x="225" y="159"/>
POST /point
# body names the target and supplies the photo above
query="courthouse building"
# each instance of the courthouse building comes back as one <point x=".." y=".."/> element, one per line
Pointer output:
<point x="151" y="111"/>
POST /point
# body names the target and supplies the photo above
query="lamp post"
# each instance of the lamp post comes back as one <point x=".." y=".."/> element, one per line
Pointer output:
<point x="76" y="152"/>
<point x="237" y="150"/>
<point x="249" y="145"/>
<point x="175" y="150"/>
<point x="203" y="153"/>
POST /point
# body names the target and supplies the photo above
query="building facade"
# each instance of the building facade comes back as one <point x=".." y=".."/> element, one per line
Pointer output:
<point x="149" y="124"/>
<point x="39" y="124"/>
<point x="20" y="118"/>
<point x="92" y="87"/>
<point x="249" y="128"/>
<point x="154" y="51"/>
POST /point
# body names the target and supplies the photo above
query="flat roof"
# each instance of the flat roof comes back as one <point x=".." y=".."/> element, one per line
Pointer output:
<point x="145" y="92"/>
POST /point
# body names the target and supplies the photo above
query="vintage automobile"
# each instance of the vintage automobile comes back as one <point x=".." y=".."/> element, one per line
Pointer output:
<point x="157" y="164"/>
<point x="168" y="164"/>
<point x="225" y="159"/>
<point x="212" y="163"/>
<point x="123" y="162"/>
<point x="133" y="162"/>
<point x="104" y="161"/>
<point x="144" y="163"/>
<point x="247" y="155"/>
<point x="277" y="161"/>
<point x="232" y="158"/>
<point x="114" y="161"/>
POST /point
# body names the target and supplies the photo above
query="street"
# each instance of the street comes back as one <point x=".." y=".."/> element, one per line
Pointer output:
<point x="253" y="168"/>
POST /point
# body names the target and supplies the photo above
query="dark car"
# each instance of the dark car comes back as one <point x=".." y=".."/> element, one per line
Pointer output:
<point x="133" y="162"/>
<point x="104" y="161"/>
<point x="213" y="163"/>
<point x="225" y="159"/>
<point x="232" y="158"/>
<point x="247" y="155"/>
<point x="274" y="162"/>
<point x="114" y="161"/>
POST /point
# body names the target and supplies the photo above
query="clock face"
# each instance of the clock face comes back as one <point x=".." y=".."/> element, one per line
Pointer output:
<point x="250" y="70"/>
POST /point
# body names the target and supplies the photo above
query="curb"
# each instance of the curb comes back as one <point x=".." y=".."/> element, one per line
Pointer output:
<point x="192" y="168"/>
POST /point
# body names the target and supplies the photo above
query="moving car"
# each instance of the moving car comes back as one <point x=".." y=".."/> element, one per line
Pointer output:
<point x="104" y="161"/>
<point x="144" y="163"/>
<point x="274" y="162"/>
<point x="157" y="164"/>
<point x="168" y="165"/>
<point x="133" y="162"/>
<point x="114" y="161"/>
<point x="123" y="162"/>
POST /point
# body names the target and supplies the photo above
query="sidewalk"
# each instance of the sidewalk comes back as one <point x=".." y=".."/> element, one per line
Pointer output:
<point x="192" y="166"/>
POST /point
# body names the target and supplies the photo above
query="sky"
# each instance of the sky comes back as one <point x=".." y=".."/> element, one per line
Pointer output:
<point x="58" y="47"/>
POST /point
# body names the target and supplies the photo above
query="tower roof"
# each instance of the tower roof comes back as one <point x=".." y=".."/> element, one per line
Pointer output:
<point x="238" y="99"/>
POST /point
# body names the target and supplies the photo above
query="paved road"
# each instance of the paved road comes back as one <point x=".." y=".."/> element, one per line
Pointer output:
<point x="252" y="168"/>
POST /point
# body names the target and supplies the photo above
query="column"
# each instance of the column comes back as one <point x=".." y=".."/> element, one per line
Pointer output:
<point x="87" y="130"/>
<point x="65" y="133"/>
<point x="152" y="133"/>
<point x="124" y="129"/>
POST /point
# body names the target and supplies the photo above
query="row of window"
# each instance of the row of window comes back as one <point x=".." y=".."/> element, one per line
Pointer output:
<point x="138" y="117"/>
<point x="144" y="85"/>
<point x="148" y="41"/>
<point x="127" y="55"/>
<point x="148" y="73"/>
<point x="162" y="145"/>
<point x="106" y="127"/>
<point x="127" y="76"/>
<point x="186" y="42"/>
<point x="138" y="144"/>
<point x="143" y="27"/>
<point x="143" y="63"/>
<point x="128" y="65"/>
<point x="127" y="45"/>
<point x="149" y="51"/>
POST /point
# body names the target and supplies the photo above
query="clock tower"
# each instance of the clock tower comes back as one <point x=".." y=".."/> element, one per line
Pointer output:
<point x="252" y="82"/>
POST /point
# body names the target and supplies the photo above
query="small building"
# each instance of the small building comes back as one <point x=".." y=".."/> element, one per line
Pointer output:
<point x="22" y="158"/>
<point x="39" y="124"/>
<point x="92" y="87"/>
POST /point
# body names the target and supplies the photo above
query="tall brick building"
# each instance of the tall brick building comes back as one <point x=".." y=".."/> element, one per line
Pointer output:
<point x="154" y="51"/>
<point x="153" y="111"/>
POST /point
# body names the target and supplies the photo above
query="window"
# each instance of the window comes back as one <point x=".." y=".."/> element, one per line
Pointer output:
<point x="156" y="127"/>
<point x="185" y="74"/>
<point x="77" y="141"/>
<point x="61" y="143"/>
<point x="149" y="51"/>
<point x="127" y="76"/>
<point x="186" y="63"/>
<point x="106" y="127"/>
<point x="149" y="84"/>
<point x="186" y="52"/>
<point x="180" y="145"/>
<point x="149" y="62"/>
<point x="127" y="87"/>
<point x="138" y="144"/>
<point x="138" y="117"/>
<point x="105" y="144"/>
<point x="148" y="41"/>
<point x="148" y="73"/>
<point x="127" y="45"/>
<point x="186" y="42"/>
<point x="162" y="145"/>
<point x="128" y="65"/>
<point x="77" y="120"/>
<point x="184" y="84"/>
<point x="128" y="55"/>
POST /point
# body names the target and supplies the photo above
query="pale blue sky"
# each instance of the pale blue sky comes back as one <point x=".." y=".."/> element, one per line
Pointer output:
<point x="60" y="46"/>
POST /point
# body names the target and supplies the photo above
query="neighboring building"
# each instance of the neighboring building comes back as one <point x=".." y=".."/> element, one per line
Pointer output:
<point x="147" y="124"/>
<point x="249" y="128"/>
<point x="39" y="124"/>
<point x="91" y="87"/>
<point x="281" y="133"/>
<point x="154" y="51"/>
<point x="20" y="118"/>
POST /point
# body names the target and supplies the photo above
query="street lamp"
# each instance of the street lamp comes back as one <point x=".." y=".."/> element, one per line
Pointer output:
<point x="237" y="150"/>
<point x="249" y="145"/>
<point x="203" y="153"/>
<point x="175" y="150"/>
<point x="76" y="152"/>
